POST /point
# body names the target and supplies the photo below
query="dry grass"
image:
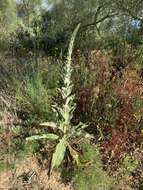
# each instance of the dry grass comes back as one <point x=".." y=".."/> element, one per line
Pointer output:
<point x="28" y="175"/>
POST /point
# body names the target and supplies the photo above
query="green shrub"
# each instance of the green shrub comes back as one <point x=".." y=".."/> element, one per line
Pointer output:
<point x="92" y="176"/>
<point x="33" y="98"/>
<point x="128" y="165"/>
<point x="138" y="114"/>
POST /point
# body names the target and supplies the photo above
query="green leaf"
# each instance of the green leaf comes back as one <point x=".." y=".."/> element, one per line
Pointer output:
<point x="74" y="155"/>
<point x="59" y="154"/>
<point x="49" y="136"/>
<point x="66" y="91"/>
<point x="81" y="126"/>
<point x="61" y="126"/>
<point x="49" y="124"/>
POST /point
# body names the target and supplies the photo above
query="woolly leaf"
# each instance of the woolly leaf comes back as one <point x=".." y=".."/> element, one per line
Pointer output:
<point x="49" y="136"/>
<point x="49" y="124"/>
<point x="59" y="154"/>
<point x="74" y="154"/>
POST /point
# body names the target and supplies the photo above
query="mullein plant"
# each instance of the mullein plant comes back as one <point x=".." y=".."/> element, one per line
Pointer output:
<point x="68" y="132"/>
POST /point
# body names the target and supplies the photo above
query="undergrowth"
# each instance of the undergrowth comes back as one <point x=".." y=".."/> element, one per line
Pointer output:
<point x="92" y="176"/>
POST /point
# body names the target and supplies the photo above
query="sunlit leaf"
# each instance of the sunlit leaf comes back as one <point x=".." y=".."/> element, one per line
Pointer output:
<point x="49" y="136"/>
<point x="59" y="154"/>
<point x="81" y="126"/>
<point x="49" y="124"/>
<point x="74" y="154"/>
<point x="89" y="136"/>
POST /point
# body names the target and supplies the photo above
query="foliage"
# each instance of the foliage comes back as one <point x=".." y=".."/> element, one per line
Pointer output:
<point x="92" y="175"/>
<point x="33" y="97"/>
<point x="8" y="16"/>
<point x="8" y="22"/>
<point x="129" y="165"/>
<point x="27" y="9"/>
<point x="65" y="114"/>
<point x="137" y="104"/>
<point x="131" y="8"/>
<point x="97" y="18"/>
